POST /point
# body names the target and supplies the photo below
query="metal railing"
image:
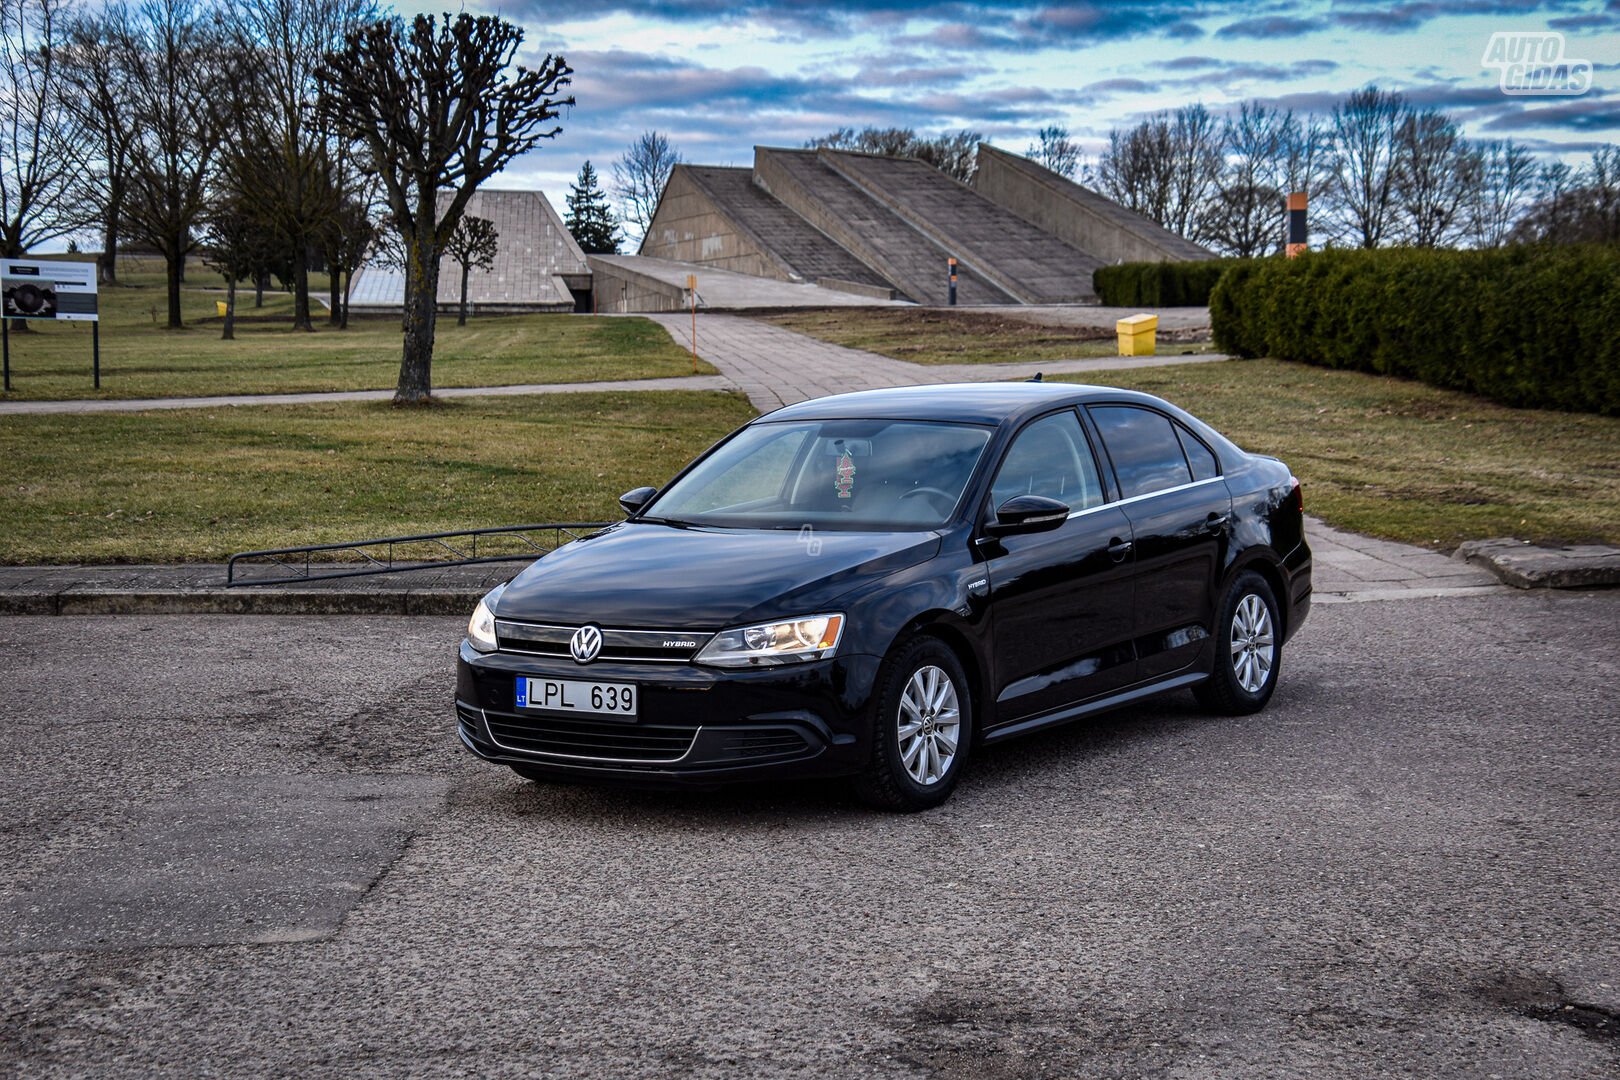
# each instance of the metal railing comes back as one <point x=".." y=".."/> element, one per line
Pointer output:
<point x="398" y="554"/>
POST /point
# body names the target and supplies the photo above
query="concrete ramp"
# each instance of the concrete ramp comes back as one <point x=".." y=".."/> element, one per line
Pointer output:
<point x="1027" y="263"/>
<point x="885" y="228"/>
<point x="808" y="255"/>
<point x="1057" y="206"/>
<point x="804" y="182"/>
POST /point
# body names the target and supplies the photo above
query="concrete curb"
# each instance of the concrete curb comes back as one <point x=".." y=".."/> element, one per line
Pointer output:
<point x="1526" y="566"/>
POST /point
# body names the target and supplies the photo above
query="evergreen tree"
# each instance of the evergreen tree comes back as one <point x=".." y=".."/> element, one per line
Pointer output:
<point x="590" y="219"/>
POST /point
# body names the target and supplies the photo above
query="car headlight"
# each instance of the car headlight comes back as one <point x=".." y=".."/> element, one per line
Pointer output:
<point x="790" y="641"/>
<point x="481" y="627"/>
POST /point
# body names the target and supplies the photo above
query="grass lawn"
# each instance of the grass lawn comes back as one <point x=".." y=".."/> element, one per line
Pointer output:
<point x="1398" y="459"/>
<point x="931" y="336"/>
<point x="1380" y="456"/>
<point x="197" y="485"/>
<point x="140" y="358"/>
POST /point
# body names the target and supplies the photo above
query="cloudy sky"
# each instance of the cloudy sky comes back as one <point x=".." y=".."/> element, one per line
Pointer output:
<point x="718" y="76"/>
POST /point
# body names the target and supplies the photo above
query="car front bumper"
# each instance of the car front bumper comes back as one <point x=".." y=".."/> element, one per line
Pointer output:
<point x="694" y="725"/>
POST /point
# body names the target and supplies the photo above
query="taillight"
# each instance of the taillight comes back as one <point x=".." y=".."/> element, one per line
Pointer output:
<point x="1297" y="492"/>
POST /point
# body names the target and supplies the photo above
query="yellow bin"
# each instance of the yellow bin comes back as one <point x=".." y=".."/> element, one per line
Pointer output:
<point x="220" y="306"/>
<point x="1137" y="335"/>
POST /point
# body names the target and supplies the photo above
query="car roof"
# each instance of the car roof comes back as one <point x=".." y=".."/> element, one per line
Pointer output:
<point x="965" y="403"/>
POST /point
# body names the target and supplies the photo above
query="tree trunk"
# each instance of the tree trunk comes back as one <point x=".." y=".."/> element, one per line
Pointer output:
<point x="421" y="315"/>
<point x="176" y="274"/>
<point x="230" y="311"/>
<point x="461" y="317"/>
<point x="348" y="283"/>
<point x="333" y="295"/>
<point x="301" y="319"/>
<point x="107" y="264"/>
<point x="260" y="280"/>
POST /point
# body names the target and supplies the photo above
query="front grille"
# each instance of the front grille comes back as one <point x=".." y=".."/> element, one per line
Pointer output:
<point x="644" y="646"/>
<point x="591" y="739"/>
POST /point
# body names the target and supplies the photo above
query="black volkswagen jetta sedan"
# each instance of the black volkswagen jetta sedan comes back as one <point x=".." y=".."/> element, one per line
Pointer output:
<point x="873" y="584"/>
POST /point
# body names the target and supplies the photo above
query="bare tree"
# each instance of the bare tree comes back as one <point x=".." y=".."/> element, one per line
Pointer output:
<point x="1053" y="149"/>
<point x="473" y="246"/>
<point x="1436" y="173"/>
<point x="1195" y="168"/>
<point x="179" y="71"/>
<point x="1507" y="173"/>
<point x="40" y="137"/>
<point x="283" y="162"/>
<point x="1245" y="215"/>
<point x="639" y="177"/>
<point x="954" y="153"/>
<point x="1135" y="169"/>
<point x="1165" y="168"/>
<point x="346" y="238"/>
<point x="1363" y="164"/>
<point x="234" y="245"/>
<point x="1305" y="148"/>
<point x="94" y="68"/>
<point x="437" y="104"/>
<point x="1575" y="206"/>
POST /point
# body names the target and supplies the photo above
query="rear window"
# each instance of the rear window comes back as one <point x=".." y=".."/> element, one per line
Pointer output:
<point x="1144" y="448"/>
<point x="1199" y="456"/>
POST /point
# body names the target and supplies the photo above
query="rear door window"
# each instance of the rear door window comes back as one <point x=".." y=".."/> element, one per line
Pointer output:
<point x="1144" y="448"/>
<point x="1199" y="456"/>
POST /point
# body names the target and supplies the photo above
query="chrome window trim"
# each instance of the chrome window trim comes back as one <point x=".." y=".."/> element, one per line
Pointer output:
<point x="1149" y="495"/>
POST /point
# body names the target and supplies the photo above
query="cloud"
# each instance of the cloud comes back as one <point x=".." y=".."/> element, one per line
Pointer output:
<point x="1270" y="26"/>
<point x="1212" y="72"/>
<point x="1402" y="18"/>
<point x="1592" y="21"/>
<point x="1589" y="114"/>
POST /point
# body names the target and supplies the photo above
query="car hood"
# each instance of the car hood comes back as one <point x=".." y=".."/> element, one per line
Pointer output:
<point x="638" y="574"/>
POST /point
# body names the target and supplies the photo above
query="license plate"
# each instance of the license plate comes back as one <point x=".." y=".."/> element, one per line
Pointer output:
<point x="567" y="695"/>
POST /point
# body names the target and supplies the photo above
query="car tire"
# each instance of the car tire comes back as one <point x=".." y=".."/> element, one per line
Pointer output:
<point x="922" y="728"/>
<point x="1248" y="649"/>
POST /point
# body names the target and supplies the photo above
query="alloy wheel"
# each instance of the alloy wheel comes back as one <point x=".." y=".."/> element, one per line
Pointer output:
<point x="930" y="721"/>
<point x="1253" y="646"/>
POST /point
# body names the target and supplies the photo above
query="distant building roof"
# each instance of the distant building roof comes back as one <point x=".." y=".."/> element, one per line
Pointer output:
<point x="534" y="253"/>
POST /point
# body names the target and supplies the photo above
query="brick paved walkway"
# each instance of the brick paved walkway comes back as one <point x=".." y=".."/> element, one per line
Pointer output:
<point x="777" y="367"/>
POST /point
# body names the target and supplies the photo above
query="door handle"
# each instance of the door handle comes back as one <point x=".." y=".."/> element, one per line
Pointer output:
<point x="1217" y="522"/>
<point x="1119" y="548"/>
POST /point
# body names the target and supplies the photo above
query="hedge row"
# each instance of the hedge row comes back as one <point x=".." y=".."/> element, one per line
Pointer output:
<point x="1527" y="326"/>
<point x="1159" y="284"/>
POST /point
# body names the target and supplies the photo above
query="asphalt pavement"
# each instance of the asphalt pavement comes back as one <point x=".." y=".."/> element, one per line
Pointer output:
<point x="238" y="846"/>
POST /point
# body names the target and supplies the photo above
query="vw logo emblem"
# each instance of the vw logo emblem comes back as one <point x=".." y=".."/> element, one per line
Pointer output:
<point x="585" y="644"/>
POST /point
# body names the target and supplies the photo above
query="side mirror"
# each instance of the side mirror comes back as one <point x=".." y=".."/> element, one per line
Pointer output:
<point x="634" y="499"/>
<point x="1028" y="514"/>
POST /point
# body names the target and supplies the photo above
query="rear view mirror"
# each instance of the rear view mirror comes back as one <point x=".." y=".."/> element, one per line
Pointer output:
<point x="1028" y="514"/>
<point x="634" y="499"/>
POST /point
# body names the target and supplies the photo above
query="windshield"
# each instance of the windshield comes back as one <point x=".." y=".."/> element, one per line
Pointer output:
<point x="834" y="474"/>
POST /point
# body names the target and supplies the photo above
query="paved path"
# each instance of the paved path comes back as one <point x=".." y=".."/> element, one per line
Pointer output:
<point x="777" y="367"/>
<point x="688" y="382"/>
